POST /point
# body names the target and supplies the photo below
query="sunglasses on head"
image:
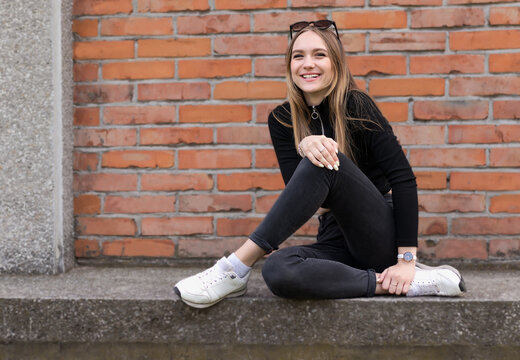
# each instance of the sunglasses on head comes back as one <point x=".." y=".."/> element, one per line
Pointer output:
<point x="320" y="24"/>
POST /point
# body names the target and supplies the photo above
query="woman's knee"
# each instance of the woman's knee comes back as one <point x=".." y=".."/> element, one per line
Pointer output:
<point x="306" y="166"/>
<point x="280" y="273"/>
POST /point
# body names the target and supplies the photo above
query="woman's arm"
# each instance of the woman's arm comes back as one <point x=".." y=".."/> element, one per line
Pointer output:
<point x="283" y="142"/>
<point x="391" y="160"/>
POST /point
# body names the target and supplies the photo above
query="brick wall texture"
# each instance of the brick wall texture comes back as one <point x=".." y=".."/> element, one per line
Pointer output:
<point x="172" y="154"/>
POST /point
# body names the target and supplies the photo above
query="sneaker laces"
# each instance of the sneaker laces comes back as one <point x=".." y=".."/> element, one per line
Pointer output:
<point x="212" y="276"/>
<point x="425" y="287"/>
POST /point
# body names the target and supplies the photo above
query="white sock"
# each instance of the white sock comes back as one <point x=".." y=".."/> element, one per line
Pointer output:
<point x="240" y="268"/>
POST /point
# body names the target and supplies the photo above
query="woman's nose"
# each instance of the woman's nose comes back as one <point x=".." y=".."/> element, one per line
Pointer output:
<point x="308" y="62"/>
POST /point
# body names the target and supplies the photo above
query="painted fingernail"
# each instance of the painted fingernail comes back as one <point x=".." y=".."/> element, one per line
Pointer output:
<point x="336" y="167"/>
<point x="329" y="167"/>
<point x="337" y="163"/>
<point x="337" y="151"/>
<point x="320" y="165"/>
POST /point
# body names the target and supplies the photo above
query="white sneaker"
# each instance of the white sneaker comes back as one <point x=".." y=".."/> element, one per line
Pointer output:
<point x="442" y="280"/>
<point x="212" y="285"/>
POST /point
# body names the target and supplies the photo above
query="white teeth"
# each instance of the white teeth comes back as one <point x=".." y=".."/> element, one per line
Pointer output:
<point x="310" y="76"/>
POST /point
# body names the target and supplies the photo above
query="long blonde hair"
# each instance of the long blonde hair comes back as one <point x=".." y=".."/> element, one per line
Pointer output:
<point x="342" y="84"/>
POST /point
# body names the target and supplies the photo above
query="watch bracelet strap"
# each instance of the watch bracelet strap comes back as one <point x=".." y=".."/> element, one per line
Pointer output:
<point x="401" y="256"/>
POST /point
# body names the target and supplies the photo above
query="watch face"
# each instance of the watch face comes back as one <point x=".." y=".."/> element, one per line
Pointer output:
<point x="408" y="256"/>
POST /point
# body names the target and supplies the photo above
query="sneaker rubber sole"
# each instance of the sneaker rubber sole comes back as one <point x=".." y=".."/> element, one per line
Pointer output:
<point x="462" y="284"/>
<point x="205" y="305"/>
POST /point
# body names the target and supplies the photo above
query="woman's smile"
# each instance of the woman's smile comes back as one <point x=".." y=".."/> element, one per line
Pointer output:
<point x="310" y="76"/>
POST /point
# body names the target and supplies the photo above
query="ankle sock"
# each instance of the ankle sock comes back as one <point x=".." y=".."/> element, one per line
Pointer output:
<point x="240" y="268"/>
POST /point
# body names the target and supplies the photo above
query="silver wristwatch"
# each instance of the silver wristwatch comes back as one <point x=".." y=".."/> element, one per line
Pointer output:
<point x="407" y="256"/>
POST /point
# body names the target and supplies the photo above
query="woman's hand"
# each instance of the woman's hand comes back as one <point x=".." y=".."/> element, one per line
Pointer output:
<point x="320" y="150"/>
<point x="397" y="278"/>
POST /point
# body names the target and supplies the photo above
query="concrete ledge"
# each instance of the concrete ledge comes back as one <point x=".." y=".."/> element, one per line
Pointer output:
<point x="110" y="306"/>
<point x="140" y="351"/>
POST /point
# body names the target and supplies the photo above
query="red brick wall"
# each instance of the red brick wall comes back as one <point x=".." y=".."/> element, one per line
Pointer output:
<point x="172" y="153"/>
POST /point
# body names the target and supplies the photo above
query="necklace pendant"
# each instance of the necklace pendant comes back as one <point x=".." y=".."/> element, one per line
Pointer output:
<point x="314" y="114"/>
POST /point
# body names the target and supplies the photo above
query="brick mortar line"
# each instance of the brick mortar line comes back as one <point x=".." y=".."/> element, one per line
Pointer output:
<point x="463" y="146"/>
<point x="459" y="215"/>
<point x="368" y="32"/>
<point x="242" y="79"/>
<point x="380" y="100"/>
<point x="266" y="146"/>
<point x="436" y="237"/>
<point x="254" y="58"/>
<point x="448" y="192"/>
<point x="167" y="171"/>
<point x="191" y="171"/>
<point x="215" y="134"/>
<point x="136" y="193"/>
<point x="177" y="114"/>
<point x="221" y="146"/>
<point x="396" y="52"/>
<point x="220" y="125"/>
<point x="177" y="194"/>
<point x="482" y="170"/>
<point x="290" y="9"/>
<point x="388" y="99"/>
<point x="207" y="237"/>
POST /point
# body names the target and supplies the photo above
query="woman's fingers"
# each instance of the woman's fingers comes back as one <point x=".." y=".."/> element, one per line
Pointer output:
<point x="332" y="148"/>
<point x="383" y="276"/>
<point x="406" y="287"/>
<point x="331" y="154"/>
<point x="322" y="154"/>
<point x="386" y="283"/>
<point x="395" y="286"/>
<point x="325" y="152"/>
<point x="321" y="151"/>
<point x="328" y="158"/>
<point x="397" y="279"/>
<point x="399" y="288"/>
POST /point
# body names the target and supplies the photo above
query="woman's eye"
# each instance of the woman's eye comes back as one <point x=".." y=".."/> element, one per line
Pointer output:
<point x="320" y="54"/>
<point x="297" y="56"/>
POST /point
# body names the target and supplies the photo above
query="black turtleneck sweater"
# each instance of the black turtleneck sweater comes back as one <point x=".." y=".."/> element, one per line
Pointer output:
<point x="376" y="150"/>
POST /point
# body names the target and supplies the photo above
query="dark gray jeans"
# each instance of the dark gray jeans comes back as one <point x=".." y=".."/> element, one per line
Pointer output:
<point x="355" y="239"/>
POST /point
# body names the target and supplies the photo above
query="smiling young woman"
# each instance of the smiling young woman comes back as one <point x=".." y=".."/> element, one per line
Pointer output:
<point x="339" y="157"/>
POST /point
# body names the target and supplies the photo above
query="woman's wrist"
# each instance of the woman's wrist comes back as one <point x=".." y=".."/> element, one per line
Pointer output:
<point x="401" y="250"/>
<point x="300" y="150"/>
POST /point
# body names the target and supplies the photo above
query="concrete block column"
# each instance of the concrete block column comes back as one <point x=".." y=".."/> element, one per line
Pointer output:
<point x="36" y="206"/>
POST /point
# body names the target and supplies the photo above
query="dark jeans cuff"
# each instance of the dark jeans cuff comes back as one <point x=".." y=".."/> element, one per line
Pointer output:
<point x="371" y="288"/>
<point x="262" y="243"/>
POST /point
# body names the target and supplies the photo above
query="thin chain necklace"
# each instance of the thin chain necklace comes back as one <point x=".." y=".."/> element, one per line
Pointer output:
<point x="316" y="115"/>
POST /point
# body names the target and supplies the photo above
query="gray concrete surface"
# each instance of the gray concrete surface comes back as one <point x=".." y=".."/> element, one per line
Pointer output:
<point x="36" y="223"/>
<point x="140" y="351"/>
<point x="111" y="306"/>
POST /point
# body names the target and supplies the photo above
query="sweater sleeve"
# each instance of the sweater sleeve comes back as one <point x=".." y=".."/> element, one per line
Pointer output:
<point x="390" y="158"/>
<point x="283" y="142"/>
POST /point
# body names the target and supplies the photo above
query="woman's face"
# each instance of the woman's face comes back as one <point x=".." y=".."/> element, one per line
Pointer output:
<point x="311" y="68"/>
